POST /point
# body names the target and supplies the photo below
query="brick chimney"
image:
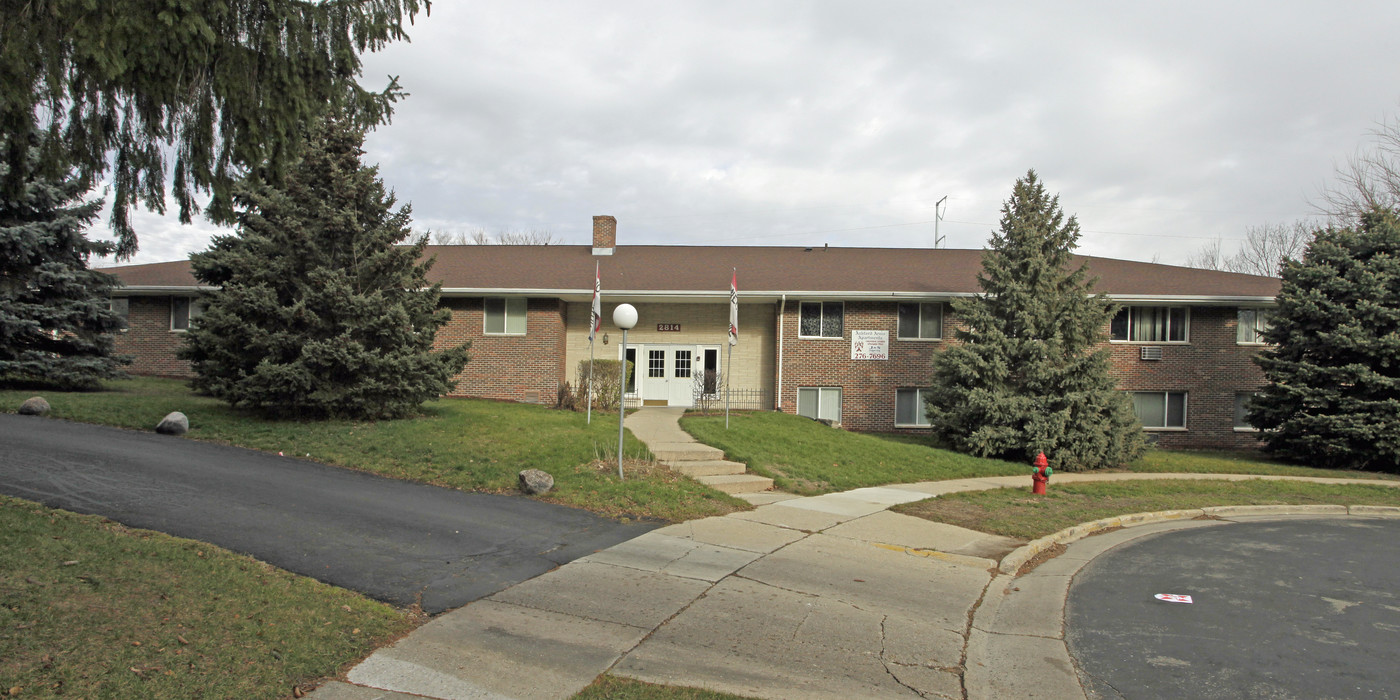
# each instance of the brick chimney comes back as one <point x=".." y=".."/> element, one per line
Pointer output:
<point x="604" y="235"/>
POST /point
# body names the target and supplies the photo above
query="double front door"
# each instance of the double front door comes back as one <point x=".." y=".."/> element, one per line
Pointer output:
<point x="670" y="375"/>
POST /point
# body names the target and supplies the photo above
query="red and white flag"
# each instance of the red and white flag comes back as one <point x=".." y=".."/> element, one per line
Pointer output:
<point x="595" y="315"/>
<point x="734" y="309"/>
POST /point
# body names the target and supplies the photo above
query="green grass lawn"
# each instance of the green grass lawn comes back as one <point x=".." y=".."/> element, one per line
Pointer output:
<point x="808" y="458"/>
<point x="1018" y="513"/>
<point x="89" y="608"/>
<point x="470" y="444"/>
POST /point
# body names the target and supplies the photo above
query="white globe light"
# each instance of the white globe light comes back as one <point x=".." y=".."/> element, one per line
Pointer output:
<point x="625" y="317"/>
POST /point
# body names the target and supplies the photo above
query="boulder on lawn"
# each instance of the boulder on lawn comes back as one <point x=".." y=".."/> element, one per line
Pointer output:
<point x="34" y="406"/>
<point x="175" y="423"/>
<point x="535" y="481"/>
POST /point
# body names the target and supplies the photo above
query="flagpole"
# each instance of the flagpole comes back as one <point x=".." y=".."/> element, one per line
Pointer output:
<point x="595" y="321"/>
<point x="733" y="337"/>
<point x="590" y="380"/>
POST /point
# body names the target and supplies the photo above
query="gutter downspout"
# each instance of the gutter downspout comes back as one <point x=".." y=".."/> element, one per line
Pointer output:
<point x="778" y="397"/>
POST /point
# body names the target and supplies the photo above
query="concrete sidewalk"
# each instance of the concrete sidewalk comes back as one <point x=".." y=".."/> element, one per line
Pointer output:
<point x="830" y="596"/>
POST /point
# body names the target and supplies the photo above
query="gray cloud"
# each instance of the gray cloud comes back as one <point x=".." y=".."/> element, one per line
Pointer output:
<point x="783" y="123"/>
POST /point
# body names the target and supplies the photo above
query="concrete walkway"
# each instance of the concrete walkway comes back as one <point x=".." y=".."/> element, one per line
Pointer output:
<point x="659" y="428"/>
<point x="830" y="596"/>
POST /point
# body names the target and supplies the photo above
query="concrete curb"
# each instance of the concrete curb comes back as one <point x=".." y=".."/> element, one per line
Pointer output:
<point x="1013" y="562"/>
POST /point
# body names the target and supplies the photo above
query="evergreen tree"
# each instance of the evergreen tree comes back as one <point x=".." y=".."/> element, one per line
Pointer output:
<point x="319" y="311"/>
<point x="224" y="85"/>
<point x="1029" y="374"/>
<point x="56" y="324"/>
<point x="1333" y="398"/>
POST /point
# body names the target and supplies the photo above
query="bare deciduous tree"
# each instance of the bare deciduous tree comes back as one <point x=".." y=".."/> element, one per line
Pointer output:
<point x="1263" y="251"/>
<point x="1369" y="179"/>
<point x="479" y="236"/>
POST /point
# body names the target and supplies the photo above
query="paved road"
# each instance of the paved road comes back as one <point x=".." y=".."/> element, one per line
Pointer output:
<point x="393" y="540"/>
<point x="1282" y="609"/>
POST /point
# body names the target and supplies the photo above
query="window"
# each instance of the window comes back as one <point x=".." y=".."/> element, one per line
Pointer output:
<point x="656" y="363"/>
<point x="1252" y="324"/>
<point x="505" y="316"/>
<point x="1150" y="324"/>
<point x="682" y="364"/>
<point x="121" y="306"/>
<point x="920" y="321"/>
<point x="909" y="407"/>
<point x="1242" y="412"/>
<point x="1160" y="409"/>
<point x="183" y="310"/>
<point x="820" y="319"/>
<point x="819" y="402"/>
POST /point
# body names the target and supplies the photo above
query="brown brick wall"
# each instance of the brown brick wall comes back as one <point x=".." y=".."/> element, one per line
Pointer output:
<point x="524" y="368"/>
<point x="149" y="339"/>
<point x="867" y="386"/>
<point x="1210" y="368"/>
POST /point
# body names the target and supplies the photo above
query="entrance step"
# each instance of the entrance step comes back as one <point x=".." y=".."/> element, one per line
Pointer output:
<point x="685" y="452"/>
<point x="737" y="483"/>
<point x="707" y="467"/>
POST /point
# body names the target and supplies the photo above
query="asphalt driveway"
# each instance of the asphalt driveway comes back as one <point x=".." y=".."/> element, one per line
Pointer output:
<point x="393" y="540"/>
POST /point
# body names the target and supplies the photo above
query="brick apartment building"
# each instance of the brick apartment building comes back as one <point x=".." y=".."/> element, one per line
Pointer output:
<point x="843" y="333"/>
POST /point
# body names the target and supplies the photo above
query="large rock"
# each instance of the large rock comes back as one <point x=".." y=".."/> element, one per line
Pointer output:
<point x="535" y="481"/>
<point x="173" y="424"/>
<point x="34" y="406"/>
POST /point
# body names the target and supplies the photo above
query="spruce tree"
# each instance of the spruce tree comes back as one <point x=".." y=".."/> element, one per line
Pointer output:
<point x="319" y="311"/>
<point x="56" y="323"/>
<point x="223" y="85"/>
<point x="1029" y="373"/>
<point x="1333" y="397"/>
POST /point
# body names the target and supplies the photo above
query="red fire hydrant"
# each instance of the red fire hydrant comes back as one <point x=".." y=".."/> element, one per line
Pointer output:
<point x="1040" y="474"/>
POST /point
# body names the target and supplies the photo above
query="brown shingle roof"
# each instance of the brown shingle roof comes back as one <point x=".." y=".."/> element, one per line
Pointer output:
<point x="705" y="270"/>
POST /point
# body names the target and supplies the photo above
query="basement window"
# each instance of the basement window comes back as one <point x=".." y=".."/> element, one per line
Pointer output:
<point x="909" y="408"/>
<point x="819" y="402"/>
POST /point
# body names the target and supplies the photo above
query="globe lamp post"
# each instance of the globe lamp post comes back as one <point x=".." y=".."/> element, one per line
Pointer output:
<point x="624" y="317"/>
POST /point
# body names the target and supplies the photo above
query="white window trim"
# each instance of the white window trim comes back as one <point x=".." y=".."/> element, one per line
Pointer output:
<point x="1185" y="412"/>
<point x="505" y="317"/>
<point x="942" y="312"/>
<point x="822" y="337"/>
<point x="918" y="398"/>
<point x="1187" y="335"/>
<point x="1256" y="343"/>
<point x="124" y="316"/>
<point x="841" y="398"/>
<point x="195" y="303"/>
<point x="1243" y="428"/>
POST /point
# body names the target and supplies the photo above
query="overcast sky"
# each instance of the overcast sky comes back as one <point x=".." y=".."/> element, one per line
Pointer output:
<point x="1162" y="126"/>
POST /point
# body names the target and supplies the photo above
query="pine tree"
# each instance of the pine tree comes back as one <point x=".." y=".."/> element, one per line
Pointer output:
<point x="56" y="323"/>
<point x="1029" y="374"/>
<point x="319" y="311"/>
<point x="1333" y="397"/>
<point x="224" y="85"/>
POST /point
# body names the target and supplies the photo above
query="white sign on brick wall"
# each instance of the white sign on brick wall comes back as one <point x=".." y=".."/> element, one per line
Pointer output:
<point x="870" y="345"/>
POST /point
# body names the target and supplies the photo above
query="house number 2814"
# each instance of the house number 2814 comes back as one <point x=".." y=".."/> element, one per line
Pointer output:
<point x="663" y="327"/>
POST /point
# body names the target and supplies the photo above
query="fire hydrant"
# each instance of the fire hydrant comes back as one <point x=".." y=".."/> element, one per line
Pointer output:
<point x="1040" y="474"/>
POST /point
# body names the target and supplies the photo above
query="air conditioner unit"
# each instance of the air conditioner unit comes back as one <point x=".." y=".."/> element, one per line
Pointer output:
<point x="1150" y="352"/>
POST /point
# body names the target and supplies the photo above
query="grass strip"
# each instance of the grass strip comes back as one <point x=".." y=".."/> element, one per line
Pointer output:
<point x="608" y="687"/>
<point x="469" y="444"/>
<point x="1017" y="513"/>
<point x="90" y="608"/>
<point x="808" y="458"/>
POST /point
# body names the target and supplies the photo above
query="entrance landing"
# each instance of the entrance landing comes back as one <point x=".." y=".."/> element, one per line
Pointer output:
<point x="659" y="427"/>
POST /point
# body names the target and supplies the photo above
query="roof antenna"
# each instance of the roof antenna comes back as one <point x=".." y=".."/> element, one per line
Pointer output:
<point x="939" y="209"/>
